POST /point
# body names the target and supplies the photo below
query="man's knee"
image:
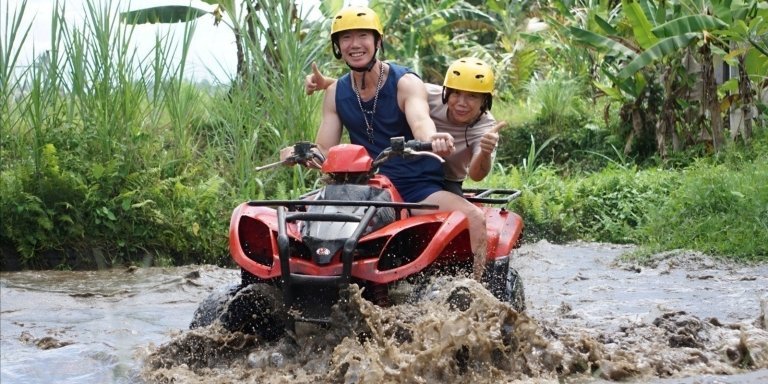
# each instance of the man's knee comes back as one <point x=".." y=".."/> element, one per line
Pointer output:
<point x="475" y="215"/>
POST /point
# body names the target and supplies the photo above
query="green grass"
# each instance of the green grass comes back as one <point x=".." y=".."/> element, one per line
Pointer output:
<point x="109" y="153"/>
<point x="716" y="205"/>
<point x="719" y="209"/>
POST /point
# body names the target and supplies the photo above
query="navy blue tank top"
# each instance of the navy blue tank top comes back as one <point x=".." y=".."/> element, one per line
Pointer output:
<point x="415" y="178"/>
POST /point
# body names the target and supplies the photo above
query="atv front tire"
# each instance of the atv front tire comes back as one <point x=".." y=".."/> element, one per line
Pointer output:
<point x="505" y="283"/>
<point x="255" y="309"/>
<point x="212" y="306"/>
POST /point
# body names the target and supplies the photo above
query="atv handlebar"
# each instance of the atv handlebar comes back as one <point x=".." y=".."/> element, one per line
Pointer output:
<point x="302" y="154"/>
<point x="400" y="147"/>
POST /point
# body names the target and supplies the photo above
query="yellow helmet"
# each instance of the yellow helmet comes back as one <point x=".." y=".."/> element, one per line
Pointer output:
<point x="356" y="17"/>
<point x="471" y="75"/>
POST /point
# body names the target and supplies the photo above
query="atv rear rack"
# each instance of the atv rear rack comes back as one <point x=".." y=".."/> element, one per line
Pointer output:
<point x="480" y="195"/>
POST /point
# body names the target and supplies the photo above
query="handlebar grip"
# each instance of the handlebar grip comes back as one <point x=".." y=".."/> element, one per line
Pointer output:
<point x="417" y="145"/>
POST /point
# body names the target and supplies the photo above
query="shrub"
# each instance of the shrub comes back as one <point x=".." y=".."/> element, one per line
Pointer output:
<point x="718" y="209"/>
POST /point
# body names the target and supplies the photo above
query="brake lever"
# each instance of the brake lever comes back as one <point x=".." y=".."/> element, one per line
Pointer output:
<point x="318" y="156"/>
<point x="411" y="152"/>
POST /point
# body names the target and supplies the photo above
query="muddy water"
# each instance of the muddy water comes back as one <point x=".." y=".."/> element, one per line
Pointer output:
<point x="684" y="318"/>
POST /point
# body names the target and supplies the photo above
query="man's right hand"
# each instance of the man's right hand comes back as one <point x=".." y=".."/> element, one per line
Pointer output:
<point x="442" y="144"/>
<point x="315" y="162"/>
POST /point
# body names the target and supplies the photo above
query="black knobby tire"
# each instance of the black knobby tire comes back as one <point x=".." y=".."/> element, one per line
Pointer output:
<point x="505" y="283"/>
<point x="515" y="289"/>
<point x="252" y="307"/>
<point x="212" y="306"/>
<point x="256" y="309"/>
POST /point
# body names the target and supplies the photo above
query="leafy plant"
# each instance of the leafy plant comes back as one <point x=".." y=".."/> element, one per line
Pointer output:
<point x="558" y="100"/>
<point x="531" y="163"/>
<point x="620" y="161"/>
<point x="716" y="210"/>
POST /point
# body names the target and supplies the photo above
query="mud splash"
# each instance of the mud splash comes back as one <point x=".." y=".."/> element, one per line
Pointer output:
<point x="591" y="318"/>
<point x="459" y="333"/>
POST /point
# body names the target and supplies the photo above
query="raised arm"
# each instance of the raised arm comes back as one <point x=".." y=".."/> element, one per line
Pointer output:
<point x="329" y="133"/>
<point x="481" y="162"/>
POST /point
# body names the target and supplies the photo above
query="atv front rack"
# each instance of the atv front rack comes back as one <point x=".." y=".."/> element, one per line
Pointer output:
<point x="291" y="211"/>
<point x="292" y="205"/>
<point x="294" y="210"/>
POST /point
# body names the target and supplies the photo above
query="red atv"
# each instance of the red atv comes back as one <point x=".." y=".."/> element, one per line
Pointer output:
<point x="296" y="256"/>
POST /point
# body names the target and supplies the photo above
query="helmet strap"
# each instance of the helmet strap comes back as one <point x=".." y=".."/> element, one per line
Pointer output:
<point x="446" y="94"/>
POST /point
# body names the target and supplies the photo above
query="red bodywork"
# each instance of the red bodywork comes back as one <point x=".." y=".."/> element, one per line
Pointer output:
<point x="399" y="249"/>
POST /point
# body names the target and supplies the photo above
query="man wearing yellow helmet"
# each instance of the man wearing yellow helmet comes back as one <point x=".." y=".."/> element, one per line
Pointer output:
<point x="463" y="111"/>
<point x="376" y="101"/>
<point x="459" y="107"/>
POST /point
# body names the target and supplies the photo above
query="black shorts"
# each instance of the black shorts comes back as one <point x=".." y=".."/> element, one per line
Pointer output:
<point x="454" y="187"/>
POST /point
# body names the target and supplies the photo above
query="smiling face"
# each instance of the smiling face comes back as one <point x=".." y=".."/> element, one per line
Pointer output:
<point x="464" y="107"/>
<point x="357" y="46"/>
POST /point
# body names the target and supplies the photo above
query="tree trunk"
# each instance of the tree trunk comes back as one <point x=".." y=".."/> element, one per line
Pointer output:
<point x="710" y="100"/>
<point x="666" y="124"/>
<point x="637" y="127"/>
<point x="747" y="104"/>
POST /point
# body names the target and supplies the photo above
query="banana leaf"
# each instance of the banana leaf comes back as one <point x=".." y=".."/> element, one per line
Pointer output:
<point x="663" y="48"/>
<point x="600" y="42"/>
<point x="641" y="27"/>
<point x="164" y="15"/>
<point x="686" y="24"/>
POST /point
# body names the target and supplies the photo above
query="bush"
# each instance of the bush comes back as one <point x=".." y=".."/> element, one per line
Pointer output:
<point x="718" y="209"/>
<point x="610" y="205"/>
<point x="539" y="203"/>
<point x="39" y="208"/>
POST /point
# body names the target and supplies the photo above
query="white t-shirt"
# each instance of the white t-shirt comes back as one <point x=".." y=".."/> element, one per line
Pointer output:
<point x="466" y="139"/>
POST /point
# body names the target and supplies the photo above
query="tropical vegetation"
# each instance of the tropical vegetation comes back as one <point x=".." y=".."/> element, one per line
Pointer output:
<point x="631" y="121"/>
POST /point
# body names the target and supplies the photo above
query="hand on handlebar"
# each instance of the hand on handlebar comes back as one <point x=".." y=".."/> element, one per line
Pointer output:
<point x="310" y="157"/>
<point x="442" y="144"/>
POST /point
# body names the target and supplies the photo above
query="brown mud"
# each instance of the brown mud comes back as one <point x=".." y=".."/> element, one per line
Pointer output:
<point x="683" y="318"/>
